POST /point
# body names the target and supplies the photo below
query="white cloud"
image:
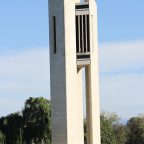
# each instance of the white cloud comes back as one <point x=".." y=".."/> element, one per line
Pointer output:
<point x="122" y="78"/>
<point x="26" y="74"/>
<point x="22" y="75"/>
<point x="121" y="56"/>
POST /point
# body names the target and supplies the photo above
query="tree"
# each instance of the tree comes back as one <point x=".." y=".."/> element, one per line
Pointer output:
<point x="112" y="131"/>
<point x="2" y="138"/>
<point x="12" y="128"/>
<point x="135" y="130"/>
<point x="120" y="132"/>
<point x="37" y="119"/>
<point x="111" y="125"/>
<point x="107" y="133"/>
<point x="111" y="117"/>
<point x="85" y="131"/>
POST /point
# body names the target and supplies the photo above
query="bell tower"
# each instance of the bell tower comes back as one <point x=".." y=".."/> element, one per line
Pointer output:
<point x="74" y="46"/>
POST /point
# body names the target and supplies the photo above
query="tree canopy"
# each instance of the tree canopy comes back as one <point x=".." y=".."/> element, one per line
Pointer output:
<point x="33" y="125"/>
<point x="135" y="130"/>
<point x="107" y="133"/>
<point x="37" y="119"/>
<point x="2" y="138"/>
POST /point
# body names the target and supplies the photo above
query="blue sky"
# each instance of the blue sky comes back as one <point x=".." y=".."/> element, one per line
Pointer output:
<point x="24" y="24"/>
<point x="24" y="61"/>
<point x="120" y="20"/>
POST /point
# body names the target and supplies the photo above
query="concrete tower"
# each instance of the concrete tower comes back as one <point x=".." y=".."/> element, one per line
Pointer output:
<point x="73" y="46"/>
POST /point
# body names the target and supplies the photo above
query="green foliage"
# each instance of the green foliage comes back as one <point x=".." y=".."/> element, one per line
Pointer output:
<point x="120" y="132"/>
<point x="135" y="130"/>
<point x="107" y="133"/>
<point x="2" y="138"/>
<point x="12" y="127"/>
<point x="85" y="131"/>
<point x="111" y="117"/>
<point x="112" y="129"/>
<point x="37" y="119"/>
<point x="33" y="125"/>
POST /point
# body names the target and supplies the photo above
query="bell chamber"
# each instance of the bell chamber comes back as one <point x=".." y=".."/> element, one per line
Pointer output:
<point x="82" y="34"/>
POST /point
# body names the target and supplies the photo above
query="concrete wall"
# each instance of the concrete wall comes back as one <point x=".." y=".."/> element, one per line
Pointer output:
<point x="66" y="80"/>
<point x="92" y="81"/>
<point x="66" y="83"/>
<point x="57" y="74"/>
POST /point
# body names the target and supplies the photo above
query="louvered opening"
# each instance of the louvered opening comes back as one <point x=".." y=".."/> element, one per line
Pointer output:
<point x="82" y="32"/>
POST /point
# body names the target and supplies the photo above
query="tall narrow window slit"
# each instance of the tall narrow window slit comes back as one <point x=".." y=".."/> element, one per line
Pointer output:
<point x="54" y="34"/>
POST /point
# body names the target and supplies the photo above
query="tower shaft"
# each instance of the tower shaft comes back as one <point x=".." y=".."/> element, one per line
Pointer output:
<point x="66" y="75"/>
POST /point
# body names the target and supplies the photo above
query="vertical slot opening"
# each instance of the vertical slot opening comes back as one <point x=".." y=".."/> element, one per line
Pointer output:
<point x="84" y="33"/>
<point x="88" y="34"/>
<point x="80" y="33"/>
<point x="77" y="34"/>
<point x="82" y="26"/>
<point x="84" y="105"/>
<point x="54" y="33"/>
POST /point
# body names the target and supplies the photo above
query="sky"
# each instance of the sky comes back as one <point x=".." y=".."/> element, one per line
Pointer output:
<point x="24" y="54"/>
